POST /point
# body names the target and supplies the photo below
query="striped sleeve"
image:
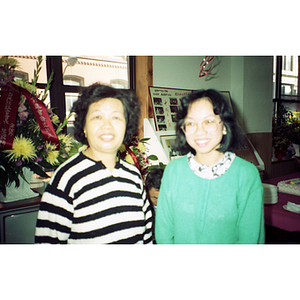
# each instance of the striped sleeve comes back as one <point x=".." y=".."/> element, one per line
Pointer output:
<point x="149" y="222"/>
<point x="55" y="214"/>
<point x="54" y="218"/>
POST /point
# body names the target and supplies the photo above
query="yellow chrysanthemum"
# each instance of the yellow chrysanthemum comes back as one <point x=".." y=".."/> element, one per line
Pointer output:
<point x="129" y="159"/>
<point x="52" y="157"/>
<point x="122" y="148"/>
<point x="55" y="119"/>
<point x="66" y="139"/>
<point x="82" y="148"/>
<point x="50" y="146"/>
<point x="22" y="149"/>
<point x="142" y="147"/>
<point x="67" y="149"/>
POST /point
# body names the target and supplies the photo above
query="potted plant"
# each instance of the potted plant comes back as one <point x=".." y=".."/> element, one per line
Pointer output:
<point x="280" y="141"/>
<point x="293" y="133"/>
<point x="135" y="152"/>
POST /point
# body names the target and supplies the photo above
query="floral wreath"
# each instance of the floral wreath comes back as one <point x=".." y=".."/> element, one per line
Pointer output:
<point x="30" y="133"/>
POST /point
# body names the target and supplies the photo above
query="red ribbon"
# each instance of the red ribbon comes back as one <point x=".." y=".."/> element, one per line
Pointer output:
<point x="8" y="111"/>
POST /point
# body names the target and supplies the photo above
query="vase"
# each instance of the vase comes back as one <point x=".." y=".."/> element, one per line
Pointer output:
<point x="296" y="147"/>
<point x="279" y="154"/>
<point x="24" y="191"/>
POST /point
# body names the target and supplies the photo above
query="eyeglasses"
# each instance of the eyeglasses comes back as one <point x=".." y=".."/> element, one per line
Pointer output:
<point x="209" y="125"/>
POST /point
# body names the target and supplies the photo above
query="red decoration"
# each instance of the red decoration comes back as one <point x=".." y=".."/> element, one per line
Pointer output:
<point x="134" y="158"/>
<point x="8" y="107"/>
<point x="204" y="66"/>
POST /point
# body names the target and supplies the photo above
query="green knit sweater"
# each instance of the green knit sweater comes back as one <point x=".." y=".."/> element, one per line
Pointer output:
<point x="225" y="210"/>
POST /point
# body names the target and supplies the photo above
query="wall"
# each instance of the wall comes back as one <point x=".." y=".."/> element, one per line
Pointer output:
<point x="249" y="79"/>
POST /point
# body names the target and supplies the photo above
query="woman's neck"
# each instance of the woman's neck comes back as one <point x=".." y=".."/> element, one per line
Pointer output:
<point x="209" y="159"/>
<point x="108" y="159"/>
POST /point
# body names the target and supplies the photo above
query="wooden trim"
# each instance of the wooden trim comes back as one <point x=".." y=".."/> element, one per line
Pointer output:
<point x="285" y="167"/>
<point x="144" y="79"/>
<point x="57" y="93"/>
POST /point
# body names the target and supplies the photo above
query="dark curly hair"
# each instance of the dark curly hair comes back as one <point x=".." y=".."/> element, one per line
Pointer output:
<point x="153" y="179"/>
<point x="96" y="92"/>
<point x="232" y="141"/>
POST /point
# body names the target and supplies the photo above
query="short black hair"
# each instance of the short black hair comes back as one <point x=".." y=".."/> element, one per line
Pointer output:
<point x="153" y="178"/>
<point x="232" y="141"/>
<point x="96" y="92"/>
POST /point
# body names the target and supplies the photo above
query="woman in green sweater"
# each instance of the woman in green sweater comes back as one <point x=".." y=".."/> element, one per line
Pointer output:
<point x="209" y="195"/>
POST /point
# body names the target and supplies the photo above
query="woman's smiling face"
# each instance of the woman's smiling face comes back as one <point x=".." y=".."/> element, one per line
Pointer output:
<point x="205" y="142"/>
<point x="105" y="126"/>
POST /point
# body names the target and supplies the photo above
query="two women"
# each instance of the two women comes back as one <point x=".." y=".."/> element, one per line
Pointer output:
<point x="207" y="196"/>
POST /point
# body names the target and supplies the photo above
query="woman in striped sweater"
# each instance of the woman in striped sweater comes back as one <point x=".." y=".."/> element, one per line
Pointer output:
<point x="95" y="197"/>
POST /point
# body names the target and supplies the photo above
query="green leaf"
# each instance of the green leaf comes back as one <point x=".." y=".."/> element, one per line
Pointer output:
<point x="161" y="165"/>
<point x="144" y="140"/>
<point x="3" y="181"/>
<point x="38" y="170"/>
<point x="153" y="157"/>
<point x="63" y="124"/>
<point x="48" y="86"/>
<point x="37" y="70"/>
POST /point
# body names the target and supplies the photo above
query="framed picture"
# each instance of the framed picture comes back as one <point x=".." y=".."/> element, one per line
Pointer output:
<point x="167" y="142"/>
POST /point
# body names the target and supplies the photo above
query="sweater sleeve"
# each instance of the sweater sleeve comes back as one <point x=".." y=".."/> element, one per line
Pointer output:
<point x="251" y="209"/>
<point x="54" y="219"/>
<point x="147" y="237"/>
<point x="164" y="223"/>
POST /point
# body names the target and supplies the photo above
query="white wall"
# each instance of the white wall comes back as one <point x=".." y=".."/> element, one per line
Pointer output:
<point x="248" y="78"/>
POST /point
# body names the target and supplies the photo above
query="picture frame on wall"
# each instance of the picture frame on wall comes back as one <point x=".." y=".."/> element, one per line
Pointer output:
<point x="165" y="103"/>
<point x="168" y="142"/>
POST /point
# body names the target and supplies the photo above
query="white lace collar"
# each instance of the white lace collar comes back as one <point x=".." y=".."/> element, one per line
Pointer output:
<point x="214" y="171"/>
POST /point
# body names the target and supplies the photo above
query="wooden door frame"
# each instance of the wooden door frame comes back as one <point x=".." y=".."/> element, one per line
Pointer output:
<point x="144" y="79"/>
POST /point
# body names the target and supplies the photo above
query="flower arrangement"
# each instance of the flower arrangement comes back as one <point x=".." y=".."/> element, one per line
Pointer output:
<point x="286" y="130"/>
<point x="135" y="152"/>
<point x="280" y="141"/>
<point x="29" y="148"/>
<point x="293" y="131"/>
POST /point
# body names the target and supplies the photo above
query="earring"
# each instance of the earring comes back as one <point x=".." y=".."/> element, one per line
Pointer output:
<point x="85" y="134"/>
<point x="224" y="131"/>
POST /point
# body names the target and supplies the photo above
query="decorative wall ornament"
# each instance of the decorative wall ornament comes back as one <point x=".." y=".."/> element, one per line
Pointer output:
<point x="207" y="65"/>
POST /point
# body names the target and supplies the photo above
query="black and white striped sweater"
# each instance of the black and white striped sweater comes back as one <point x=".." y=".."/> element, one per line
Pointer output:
<point x="85" y="203"/>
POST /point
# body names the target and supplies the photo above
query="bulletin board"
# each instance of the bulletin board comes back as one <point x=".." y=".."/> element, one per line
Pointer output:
<point x="165" y="103"/>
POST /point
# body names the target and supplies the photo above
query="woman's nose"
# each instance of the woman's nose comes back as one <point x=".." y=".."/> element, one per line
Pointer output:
<point x="106" y="123"/>
<point x="200" y="128"/>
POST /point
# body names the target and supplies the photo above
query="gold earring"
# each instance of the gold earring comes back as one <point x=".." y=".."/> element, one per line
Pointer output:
<point x="224" y="131"/>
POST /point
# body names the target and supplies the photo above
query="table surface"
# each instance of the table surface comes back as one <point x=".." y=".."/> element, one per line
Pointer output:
<point x="276" y="215"/>
<point x="19" y="203"/>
